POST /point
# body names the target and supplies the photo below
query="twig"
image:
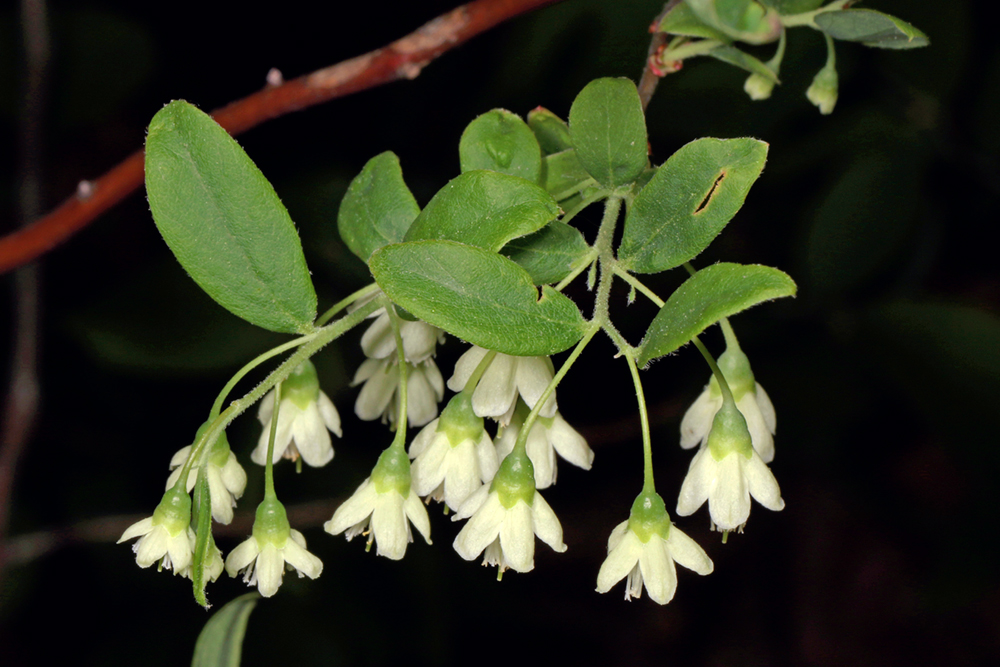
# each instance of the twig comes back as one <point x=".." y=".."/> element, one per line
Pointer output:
<point x="650" y="79"/>
<point x="21" y="404"/>
<point x="402" y="59"/>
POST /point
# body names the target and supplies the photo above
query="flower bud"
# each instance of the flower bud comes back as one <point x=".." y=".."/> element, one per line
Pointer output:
<point x="823" y="91"/>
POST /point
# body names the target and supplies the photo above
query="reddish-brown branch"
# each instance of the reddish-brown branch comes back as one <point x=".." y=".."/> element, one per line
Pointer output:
<point x="403" y="59"/>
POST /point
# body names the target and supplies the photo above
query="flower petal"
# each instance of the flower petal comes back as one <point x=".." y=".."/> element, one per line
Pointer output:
<point x="729" y="501"/>
<point x="234" y="476"/>
<point x="533" y="375"/>
<point x="240" y="557"/>
<point x="570" y="444"/>
<point x="497" y="389"/>
<point x="328" y="412"/>
<point x="417" y="514"/>
<point x="355" y="509"/>
<point x="311" y="437"/>
<point x="270" y="570"/>
<point x="303" y="561"/>
<point x="760" y="436"/>
<point x="378" y="390"/>
<point x="687" y="552"/>
<point x="379" y="341"/>
<point x="620" y="561"/>
<point x="762" y="484"/>
<point x="697" y="421"/>
<point x="464" y="367"/>
<point x="486" y="454"/>
<point x="767" y="409"/>
<point x="517" y="537"/>
<point x="392" y="533"/>
<point x="546" y="524"/>
<point x="698" y="483"/>
<point x="482" y="528"/>
<point x="543" y="457"/>
<point x="658" y="571"/>
<point x="137" y="529"/>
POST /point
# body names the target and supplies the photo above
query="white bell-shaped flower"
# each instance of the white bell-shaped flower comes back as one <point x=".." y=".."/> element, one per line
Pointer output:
<point x="645" y="548"/>
<point x="453" y="456"/>
<point x="506" y="378"/>
<point x="305" y="416"/>
<point x="425" y="388"/>
<point x="383" y="507"/>
<point x="505" y="517"/>
<point x="549" y="436"/>
<point x="273" y="546"/>
<point x="166" y="537"/>
<point x="751" y="399"/>
<point x="726" y="472"/>
<point x="420" y="340"/>
<point x="226" y="478"/>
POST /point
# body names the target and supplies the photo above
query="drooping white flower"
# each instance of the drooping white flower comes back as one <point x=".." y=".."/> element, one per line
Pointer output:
<point x="166" y="536"/>
<point x="377" y="399"/>
<point x="453" y="455"/>
<point x="272" y="547"/>
<point x="645" y="548"/>
<point x="751" y="399"/>
<point x="305" y="416"/>
<point x="505" y="517"/>
<point x="506" y="378"/>
<point x="726" y="472"/>
<point x="549" y="436"/>
<point x="381" y="506"/>
<point x="420" y="339"/>
<point x="226" y="478"/>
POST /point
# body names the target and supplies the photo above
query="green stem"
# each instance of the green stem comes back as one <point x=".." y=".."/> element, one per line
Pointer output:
<point x="404" y="375"/>
<point x="585" y="262"/>
<point x="690" y="50"/>
<point x="727" y="331"/>
<point x="269" y="465"/>
<point x="727" y="395"/>
<point x="240" y="374"/>
<point x="647" y="445"/>
<point x="484" y="363"/>
<point x="605" y="237"/>
<point x="345" y="302"/>
<point x="570" y="214"/>
<point x="317" y="340"/>
<point x="579" y="187"/>
<point x="522" y="436"/>
<point x="809" y="18"/>
<point x="636" y="283"/>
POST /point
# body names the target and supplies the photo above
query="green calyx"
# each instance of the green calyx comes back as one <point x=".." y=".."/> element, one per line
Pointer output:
<point x="302" y="386"/>
<point x="459" y="422"/>
<point x="729" y="433"/>
<point x="174" y="510"/>
<point x="392" y="472"/>
<point x="270" y="526"/>
<point x="515" y="480"/>
<point x="649" y="517"/>
<point x="735" y="368"/>
<point x="219" y="455"/>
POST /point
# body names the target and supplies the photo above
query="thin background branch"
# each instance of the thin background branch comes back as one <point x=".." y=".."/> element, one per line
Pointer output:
<point x="402" y="59"/>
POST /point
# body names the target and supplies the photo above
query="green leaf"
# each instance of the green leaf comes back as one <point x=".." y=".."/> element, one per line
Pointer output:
<point x="477" y="295"/>
<point x="692" y="196"/>
<point x="717" y="291"/>
<point x="220" y="643"/>
<point x="500" y="141"/>
<point x="682" y="21"/>
<point x="871" y="28"/>
<point x="564" y="174"/>
<point x="485" y="209"/>
<point x="733" y="56"/>
<point x="743" y="20"/>
<point x="550" y="130"/>
<point x="608" y="129"/>
<point x="789" y="7"/>
<point x="550" y="254"/>
<point x="203" y="523"/>
<point x="378" y="207"/>
<point x="224" y="222"/>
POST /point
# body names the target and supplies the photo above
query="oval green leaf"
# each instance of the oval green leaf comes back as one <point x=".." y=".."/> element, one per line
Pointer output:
<point x="220" y="643"/>
<point x="485" y="209"/>
<point x="203" y="528"/>
<point x="608" y="130"/>
<point x="789" y="7"/>
<point x="550" y="254"/>
<point x="550" y="130"/>
<point x="564" y="175"/>
<point x="477" y="295"/>
<point x="871" y="28"/>
<point x="733" y="56"/>
<point x="743" y="20"/>
<point x="378" y="208"/>
<point x="500" y="141"/>
<point x="224" y="222"/>
<point x="717" y="291"/>
<point x="682" y="21"/>
<point x="692" y="196"/>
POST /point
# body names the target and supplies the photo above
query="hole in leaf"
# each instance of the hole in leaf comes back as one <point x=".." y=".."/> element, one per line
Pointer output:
<point x="711" y="193"/>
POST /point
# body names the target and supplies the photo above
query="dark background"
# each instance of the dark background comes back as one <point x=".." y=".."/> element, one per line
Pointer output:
<point x="885" y="371"/>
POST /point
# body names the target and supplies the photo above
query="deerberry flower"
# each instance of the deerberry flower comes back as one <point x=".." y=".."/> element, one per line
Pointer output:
<point x="381" y="506"/>
<point x="548" y="436"/>
<point x="506" y="378"/>
<point x="420" y="339"/>
<point x="645" y="548"/>
<point x="226" y="478"/>
<point x="453" y="455"/>
<point x="425" y="387"/>
<point x="726" y="472"/>
<point x="304" y="417"/>
<point x="504" y="518"/>
<point x="273" y="545"/>
<point x="166" y="536"/>
<point x="751" y="399"/>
